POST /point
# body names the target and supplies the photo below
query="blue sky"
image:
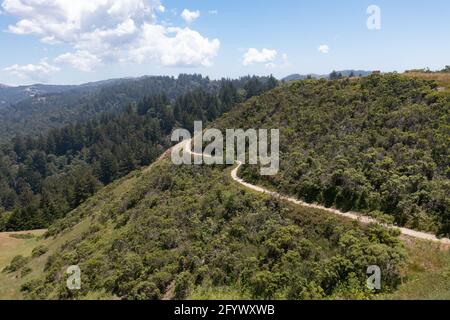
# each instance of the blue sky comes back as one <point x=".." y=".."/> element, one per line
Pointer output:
<point x="64" y="44"/>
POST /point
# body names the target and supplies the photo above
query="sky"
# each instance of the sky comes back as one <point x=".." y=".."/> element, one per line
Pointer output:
<point x="72" y="42"/>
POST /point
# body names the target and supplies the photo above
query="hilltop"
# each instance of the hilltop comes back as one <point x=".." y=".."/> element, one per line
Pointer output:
<point x="343" y="73"/>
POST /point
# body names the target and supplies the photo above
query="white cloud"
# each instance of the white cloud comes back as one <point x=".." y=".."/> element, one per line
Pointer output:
<point x="253" y="56"/>
<point x="110" y="31"/>
<point x="190" y="16"/>
<point x="81" y="60"/>
<point x="324" y="48"/>
<point x="174" y="47"/>
<point x="36" y="72"/>
<point x="65" y="20"/>
<point x="213" y="12"/>
<point x="279" y="62"/>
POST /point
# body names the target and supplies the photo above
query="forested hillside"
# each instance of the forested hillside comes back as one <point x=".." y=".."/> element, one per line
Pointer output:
<point x="49" y="108"/>
<point x="178" y="232"/>
<point x="43" y="177"/>
<point x="377" y="145"/>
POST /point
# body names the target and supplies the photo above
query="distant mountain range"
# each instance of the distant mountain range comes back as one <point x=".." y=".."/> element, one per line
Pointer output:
<point x="11" y="95"/>
<point x="345" y="73"/>
<point x="15" y="94"/>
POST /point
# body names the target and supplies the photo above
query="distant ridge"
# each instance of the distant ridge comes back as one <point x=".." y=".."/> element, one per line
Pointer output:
<point x="15" y="94"/>
<point x="345" y="73"/>
<point x="296" y="76"/>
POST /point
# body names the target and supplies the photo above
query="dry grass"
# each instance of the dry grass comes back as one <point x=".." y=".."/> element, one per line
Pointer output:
<point x="426" y="276"/>
<point x="11" y="246"/>
<point x="10" y="283"/>
<point x="442" y="78"/>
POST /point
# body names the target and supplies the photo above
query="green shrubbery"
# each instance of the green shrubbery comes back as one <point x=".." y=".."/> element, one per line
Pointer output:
<point x="17" y="263"/>
<point x="39" y="251"/>
<point x="204" y="235"/>
<point x="376" y="144"/>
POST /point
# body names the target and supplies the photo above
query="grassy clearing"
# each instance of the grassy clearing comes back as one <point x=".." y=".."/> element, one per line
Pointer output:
<point x="10" y="283"/>
<point x="12" y="245"/>
<point x="426" y="276"/>
<point x="442" y="78"/>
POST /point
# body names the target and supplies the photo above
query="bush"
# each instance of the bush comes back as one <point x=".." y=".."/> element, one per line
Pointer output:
<point x="25" y="271"/>
<point x="23" y="236"/>
<point x="263" y="285"/>
<point x="16" y="264"/>
<point x="39" y="251"/>
<point x="183" y="285"/>
<point x="146" y="291"/>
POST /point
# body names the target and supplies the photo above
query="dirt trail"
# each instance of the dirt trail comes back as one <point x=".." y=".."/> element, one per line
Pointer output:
<point x="349" y="215"/>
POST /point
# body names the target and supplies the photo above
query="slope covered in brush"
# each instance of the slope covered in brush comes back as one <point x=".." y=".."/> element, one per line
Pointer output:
<point x="191" y="232"/>
<point x="377" y="145"/>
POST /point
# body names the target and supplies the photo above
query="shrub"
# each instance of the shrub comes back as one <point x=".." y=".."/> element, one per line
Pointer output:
<point x="16" y="264"/>
<point x="39" y="251"/>
<point x="183" y="285"/>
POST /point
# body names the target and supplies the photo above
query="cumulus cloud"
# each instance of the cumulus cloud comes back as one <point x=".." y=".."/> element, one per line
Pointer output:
<point x="81" y="60"/>
<point x="190" y="16"/>
<point x="174" y="47"/>
<point x="324" y="48"/>
<point x="253" y="56"/>
<point x="40" y="72"/>
<point x="108" y="31"/>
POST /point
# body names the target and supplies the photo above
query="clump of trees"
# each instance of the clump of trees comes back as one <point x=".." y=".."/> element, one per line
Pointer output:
<point x="335" y="75"/>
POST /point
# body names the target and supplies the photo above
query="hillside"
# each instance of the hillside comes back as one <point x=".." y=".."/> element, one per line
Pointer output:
<point x="35" y="110"/>
<point x="180" y="232"/>
<point x="44" y="177"/>
<point x="377" y="145"/>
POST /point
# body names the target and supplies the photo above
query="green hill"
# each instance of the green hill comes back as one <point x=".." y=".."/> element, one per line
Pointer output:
<point x="180" y="232"/>
<point x="377" y="145"/>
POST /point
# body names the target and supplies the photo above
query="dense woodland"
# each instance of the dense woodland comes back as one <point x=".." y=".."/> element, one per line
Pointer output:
<point x="43" y="177"/>
<point x="378" y="145"/>
<point x="47" y="108"/>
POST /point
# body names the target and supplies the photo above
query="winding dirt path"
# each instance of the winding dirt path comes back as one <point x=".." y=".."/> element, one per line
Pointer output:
<point x="349" y="215"/>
